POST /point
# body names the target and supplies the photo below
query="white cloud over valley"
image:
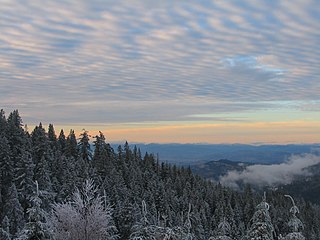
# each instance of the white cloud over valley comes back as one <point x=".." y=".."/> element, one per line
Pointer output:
<point x="274" y="174"/>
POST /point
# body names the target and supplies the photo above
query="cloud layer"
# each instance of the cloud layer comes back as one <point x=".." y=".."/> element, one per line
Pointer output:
<point x="164" y="61"/>
<point x="272" y="175"/>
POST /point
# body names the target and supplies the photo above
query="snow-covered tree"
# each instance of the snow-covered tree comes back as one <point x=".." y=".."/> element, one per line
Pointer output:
<point x="24" y="179"/>
<point x="13" y="210"/>
<point x="143" y="229"/>
<point x="224" y="229"/>
<point x="4" y="229"/>
<point x="295" y="224"/>
<point x="261" y="228"/>
<point x="71" y="149"/>
<point x="85" y="217"/>
<point x="188" y="225"/>
<point x="6" y="164"/>
<point x="36" y="227"/>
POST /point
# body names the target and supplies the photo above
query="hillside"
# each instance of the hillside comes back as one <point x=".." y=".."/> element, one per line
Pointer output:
<point x="308" y="188"/>
<point x="215" y="169"/>
<point x="53" y="186"/>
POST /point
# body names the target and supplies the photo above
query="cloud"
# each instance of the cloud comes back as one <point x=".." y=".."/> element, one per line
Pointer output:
<point x="201" y="53"/>
<point x="272" y="175"/>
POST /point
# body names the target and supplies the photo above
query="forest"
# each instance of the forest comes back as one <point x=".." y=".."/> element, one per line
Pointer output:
<point x="62" y="186"/>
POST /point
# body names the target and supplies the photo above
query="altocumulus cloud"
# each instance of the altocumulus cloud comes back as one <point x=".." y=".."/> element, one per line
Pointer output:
<point x="201" y="53"/>
<point x="272" y="175"/>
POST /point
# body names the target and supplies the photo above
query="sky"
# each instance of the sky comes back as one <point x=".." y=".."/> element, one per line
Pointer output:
<point x="165" y="71"/>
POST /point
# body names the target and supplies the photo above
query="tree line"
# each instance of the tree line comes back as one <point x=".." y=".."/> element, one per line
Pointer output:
<point x="67" y="187"/>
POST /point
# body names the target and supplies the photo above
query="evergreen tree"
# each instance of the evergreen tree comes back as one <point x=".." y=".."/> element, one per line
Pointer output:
<point x="84" y="164"/>
<point x="43" y="159"/>
<point x="6" y="165"/>
<point x="102" y="155"/>
<point x="52" y="135"/>
<point x="4" y="229"/>
<point x="14" y="211"/>
<point x="40" y="143"/>
<point x="224" y="230"/>
<point x="188" y="226"/>
<point x="143" y="229"/>
<point x="3" y="122"/>
<point x="62" y="142"/>
<point x="36" y="227"/>
<point x="84" y="147"/>
<point x="68" y="179"/>
<point x="261" y="228"/>
<point x="24" y="179"/>
<point x="71" y="149"/>
<point x="15" y="134"/>
<point x="295" y="224"/>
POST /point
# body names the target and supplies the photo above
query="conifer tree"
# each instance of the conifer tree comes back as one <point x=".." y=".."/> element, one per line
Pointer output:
<point x="102" y="155"/>
<point x="188" y="226"/>
<point x="62" y="141"/>
<point x="261" y="228"/>
<point x="4" y="229"/>
<point x="24" y="179"/>
<point x="84" y="164"/>
<point x="3" y="122"/>
<point x="84" y="147"/>
<point x="52" y="135"/>
<point x="224" y="230"/>
<point x="14" y="211"/>
<point x="6" y="165"/>
<point x="295" y="224"/>
<point x="36" y="227"/>
<point x="15" y="134"/>
<point x="143" y="229"/>
<point x="67" y="178"/>
<point x="71" y="145"/>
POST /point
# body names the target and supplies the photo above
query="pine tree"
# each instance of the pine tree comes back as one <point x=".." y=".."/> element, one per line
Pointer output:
<point x="84" y="163"/>
<point x="295" y="224"/>
<point x="52" y="135"/>
<point x="36" y="227"/>
<point x="62" y="141"/>
<point x="43" y="159"/>
<point x="4" y="229"/>
<point x="261" y="228"/>
<point x="15" y="135"/>
<point x="14" y="211"/>
<point x="3" y="122"/>
<point x="102" y="155"/>
<point x="6" y="166"/>
<point x="188" y="235"/>
<point x="84" y="147"/>
<point x="71" y="149"/>
<point x="224" y="230"/>
<point x="24" y="179"/>
<point x="143" y="229"/>
<point x="67" y="178"/>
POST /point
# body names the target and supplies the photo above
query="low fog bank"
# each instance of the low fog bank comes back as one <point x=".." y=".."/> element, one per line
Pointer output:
<point x="274" y="174"/>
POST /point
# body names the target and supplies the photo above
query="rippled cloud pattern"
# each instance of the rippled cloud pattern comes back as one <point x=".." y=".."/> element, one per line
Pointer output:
<point x="132" y="61"/>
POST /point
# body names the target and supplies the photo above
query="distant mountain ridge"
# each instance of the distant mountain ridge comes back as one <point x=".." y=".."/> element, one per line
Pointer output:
<point x="185" y="154"/>
<point x="214" y="169"/>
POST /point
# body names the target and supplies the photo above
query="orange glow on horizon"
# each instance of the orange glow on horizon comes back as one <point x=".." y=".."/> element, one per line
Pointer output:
<point x="246" y="133"/>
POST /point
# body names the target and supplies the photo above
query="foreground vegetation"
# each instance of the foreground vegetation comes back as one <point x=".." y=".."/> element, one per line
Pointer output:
<point x="47" y="180"/>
